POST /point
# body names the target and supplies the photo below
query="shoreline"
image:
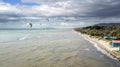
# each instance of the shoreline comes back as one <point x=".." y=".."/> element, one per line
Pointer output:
<point x="102" y="46"/>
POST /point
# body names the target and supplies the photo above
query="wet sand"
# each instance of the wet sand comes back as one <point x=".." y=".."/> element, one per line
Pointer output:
<point x="60" y="48"/>
<point x="103" y="45"/>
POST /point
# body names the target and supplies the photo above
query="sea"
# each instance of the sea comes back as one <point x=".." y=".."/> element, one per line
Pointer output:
<point x="49" y="48"/>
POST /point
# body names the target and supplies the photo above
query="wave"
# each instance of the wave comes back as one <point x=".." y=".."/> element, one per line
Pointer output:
<point x="22" y="38"/>
<point x="99" y="49"/>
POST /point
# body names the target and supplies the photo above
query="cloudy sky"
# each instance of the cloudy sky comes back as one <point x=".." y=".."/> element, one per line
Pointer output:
<point x="58" y="13"/>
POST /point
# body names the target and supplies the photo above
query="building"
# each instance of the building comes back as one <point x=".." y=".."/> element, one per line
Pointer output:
<point x="108" y="38"/>
<point x="115" y="43"/>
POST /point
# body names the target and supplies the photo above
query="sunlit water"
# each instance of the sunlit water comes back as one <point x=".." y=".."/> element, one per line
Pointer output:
<point x="49" y="48"/>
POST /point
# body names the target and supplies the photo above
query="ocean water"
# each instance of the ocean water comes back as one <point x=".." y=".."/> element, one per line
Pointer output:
<point x="49" y="48"/>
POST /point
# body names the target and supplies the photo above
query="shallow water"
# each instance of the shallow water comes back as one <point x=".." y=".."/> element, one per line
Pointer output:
<point x="49" y="48"/>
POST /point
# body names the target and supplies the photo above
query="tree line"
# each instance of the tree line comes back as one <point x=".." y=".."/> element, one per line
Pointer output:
<point x="101" y="31"/>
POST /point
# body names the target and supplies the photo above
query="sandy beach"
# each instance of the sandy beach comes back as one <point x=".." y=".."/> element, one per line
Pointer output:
<point x="103" y="46"/>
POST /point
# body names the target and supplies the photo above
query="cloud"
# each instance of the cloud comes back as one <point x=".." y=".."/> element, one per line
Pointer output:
<point x="61" y="11"/>
<point x="43" y="1"/>
<point x="92" y="8"/>
<point x="53" y="11"/>
<point x="83" y="8"/>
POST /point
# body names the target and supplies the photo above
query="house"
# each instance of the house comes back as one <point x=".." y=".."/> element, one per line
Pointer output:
<point x="115" y="43"/>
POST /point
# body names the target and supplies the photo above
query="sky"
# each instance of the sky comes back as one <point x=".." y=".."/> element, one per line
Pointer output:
<point x="58" y="13"/>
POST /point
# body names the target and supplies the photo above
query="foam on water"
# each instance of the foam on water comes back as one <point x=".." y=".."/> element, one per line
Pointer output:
<point x="23" y="37"/>
<point x="100" y="49"/>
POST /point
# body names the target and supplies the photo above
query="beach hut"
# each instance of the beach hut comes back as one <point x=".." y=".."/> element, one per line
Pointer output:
<point x="115" y="43"/>
<point x="108" y="38"/>
<point x="111" y="38"/>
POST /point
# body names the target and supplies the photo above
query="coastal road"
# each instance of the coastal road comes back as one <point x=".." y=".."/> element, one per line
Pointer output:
<point x="50" y="48"/>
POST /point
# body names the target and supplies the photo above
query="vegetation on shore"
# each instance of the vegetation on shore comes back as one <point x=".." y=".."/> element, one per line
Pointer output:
<point x="101" y="31"/>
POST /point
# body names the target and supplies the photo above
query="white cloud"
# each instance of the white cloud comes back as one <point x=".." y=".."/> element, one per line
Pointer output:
<point x="63" y="23"/>
<point x="61" y="7"/>
<point x="4" y="7"/>
<point x="70" y="10"/>
<point x="56" y="8"/>
<point x="53" y="11"/>
<point x="43" y="1"/>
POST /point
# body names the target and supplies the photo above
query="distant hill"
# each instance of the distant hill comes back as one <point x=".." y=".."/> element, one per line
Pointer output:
<point x="108" y="24"/>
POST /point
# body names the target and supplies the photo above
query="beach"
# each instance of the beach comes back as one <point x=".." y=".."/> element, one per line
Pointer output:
<point x="50" y="48"/>
<point x="103" y="45"/>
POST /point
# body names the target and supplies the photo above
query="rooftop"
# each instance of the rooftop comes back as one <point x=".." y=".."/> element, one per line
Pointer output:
<point x="116" y="41"/>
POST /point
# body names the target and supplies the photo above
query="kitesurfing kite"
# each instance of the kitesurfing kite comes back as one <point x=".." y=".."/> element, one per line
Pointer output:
<point x="30" y="25"/>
